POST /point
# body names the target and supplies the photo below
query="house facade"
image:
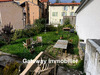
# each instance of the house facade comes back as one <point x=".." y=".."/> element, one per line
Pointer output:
<point x="58" y="10"/>
<point x="88" y="20"/>
<point x="32" y="9"/>
<point x="11" y="12"/>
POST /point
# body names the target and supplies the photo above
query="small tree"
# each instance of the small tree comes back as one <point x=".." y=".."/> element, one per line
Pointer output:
<point x="67" y="21"/>
<point x="73" y="1"/>
<point x="6" y="33"/>
<point x="57" y="1"/>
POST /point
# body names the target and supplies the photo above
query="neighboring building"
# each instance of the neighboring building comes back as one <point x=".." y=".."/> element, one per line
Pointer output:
<point x="32" y="9"/>
<point x="5" y="0"/>
<point x="88" y="20"/>
<point x="71" y="18"/>
<point x="10" y="12"/>
<point x="46" y="4"/>
<point x="92" y="57"/>
<point x="58" y="10"/>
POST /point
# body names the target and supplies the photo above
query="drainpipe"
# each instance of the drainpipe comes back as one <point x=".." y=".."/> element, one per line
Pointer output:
<point x="27" y="13"/>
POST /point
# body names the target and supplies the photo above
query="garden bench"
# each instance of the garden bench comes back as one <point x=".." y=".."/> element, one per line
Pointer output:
<point x="66" y="29"/>
<point x="27" y="44"/>
<point x="39" y="40"/>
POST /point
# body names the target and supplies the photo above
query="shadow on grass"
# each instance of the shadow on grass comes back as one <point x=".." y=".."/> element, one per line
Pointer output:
<point x="2" y="43"/>
<point x="18" y="41"/>
<point x="27" y="55"/>
<point x="70" y="48"/>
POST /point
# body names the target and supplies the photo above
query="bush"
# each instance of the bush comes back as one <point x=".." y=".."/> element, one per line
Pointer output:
<point x="7" y="32"/>
<point x="40" y="24"/>
<point x="51" y="28"/>
<point x="10" y="69"/>
<point x="69" y="26"/>
<point x="67" y="21"/>
<point x="14" y="37"/>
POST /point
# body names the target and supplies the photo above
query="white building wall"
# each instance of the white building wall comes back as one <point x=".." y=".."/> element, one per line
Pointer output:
<point x="88" y="21"/>
<point x="59" y="9"/>
<point x="92" y="58"/>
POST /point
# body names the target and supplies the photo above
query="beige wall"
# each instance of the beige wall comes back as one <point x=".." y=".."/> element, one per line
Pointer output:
<point x="34" y="12"/>
<point x="11" y="12"/>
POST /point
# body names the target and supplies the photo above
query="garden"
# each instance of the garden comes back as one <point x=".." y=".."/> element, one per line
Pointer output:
<point x="13" y="43"/>
<point x="15" y="46"/>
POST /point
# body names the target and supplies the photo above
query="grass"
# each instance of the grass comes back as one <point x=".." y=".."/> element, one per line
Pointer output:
<point x="50" y="38"/>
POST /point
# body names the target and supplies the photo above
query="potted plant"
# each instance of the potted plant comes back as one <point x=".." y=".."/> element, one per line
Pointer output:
<point x="61" y="37"/>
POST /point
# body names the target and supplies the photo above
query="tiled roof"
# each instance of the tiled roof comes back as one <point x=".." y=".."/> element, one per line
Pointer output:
<point x="5" y="0"/>
<point x="59" y="4"/>
<point x="44" y="1"/>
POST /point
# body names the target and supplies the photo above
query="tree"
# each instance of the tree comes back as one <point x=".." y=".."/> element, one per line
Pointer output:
<point x="73" y="1"/>
<point x="81" y="1"/>
<point x="57" y="1"/>
<point x="67" y="21"/>
<point x="6" y="33"/>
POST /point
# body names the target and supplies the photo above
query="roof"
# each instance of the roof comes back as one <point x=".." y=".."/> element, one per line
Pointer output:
<point x="5" y="0"/>
<point x="82" y="5"/>
<point x="44" y="1"/>
<point x="61" y="4"/>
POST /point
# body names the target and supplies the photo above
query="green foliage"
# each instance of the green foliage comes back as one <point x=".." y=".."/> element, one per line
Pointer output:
<point x="67" y="21"/>
<point x="10" y="69"/>
<point x="59" y="28"/>
<point x="50" y="38"/>
<point x="57" y="1"/>
<point x="51" y="28"/>
<point x="15" y="36"/>
<point x="78" y="66"/>
<point x="2" y="43"/>
<point x="7" y="32"/>
<point x="40" y="23"/>
<point x="69" y="26"/>
<point x="73" y="1"/>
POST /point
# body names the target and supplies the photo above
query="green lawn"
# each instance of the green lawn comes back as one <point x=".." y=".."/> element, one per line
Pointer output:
<point x="50" y="38"/>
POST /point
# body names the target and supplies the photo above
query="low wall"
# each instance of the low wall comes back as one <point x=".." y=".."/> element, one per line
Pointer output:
<point x="71" y="18"/>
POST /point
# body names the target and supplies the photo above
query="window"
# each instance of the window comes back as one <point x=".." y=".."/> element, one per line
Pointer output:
<point x="72" y="14"/>
<point x="64" y="13"/>
<point x="72" y="7"/>
<point x="55" y="14"/>
<point x="66" y="8"/>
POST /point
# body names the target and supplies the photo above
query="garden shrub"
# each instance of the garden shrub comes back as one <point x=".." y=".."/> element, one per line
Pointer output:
<point x="51" y="28"/>
<point x="69" y="26"/>
<point x="40" y="23"/>
<point x="10" y="69"/>
<point x="14" y="37"/>
<point x="67" y="21"/>
<point x="7" y="32"/>
<point x="2" y="43"/>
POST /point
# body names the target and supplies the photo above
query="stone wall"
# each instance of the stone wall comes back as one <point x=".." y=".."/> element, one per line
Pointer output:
<point x="71" y="18"/>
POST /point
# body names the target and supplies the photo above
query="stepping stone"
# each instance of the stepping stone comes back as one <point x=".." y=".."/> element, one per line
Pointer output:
<point x="68" y="70"/>
<point x="67" y="74"/>
<point x="80" y="72"/>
